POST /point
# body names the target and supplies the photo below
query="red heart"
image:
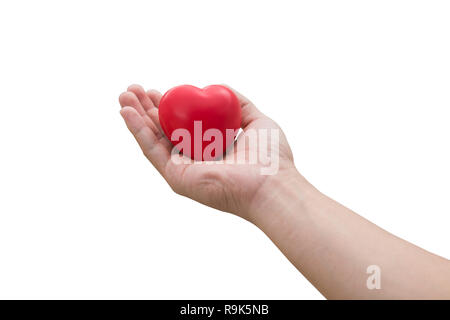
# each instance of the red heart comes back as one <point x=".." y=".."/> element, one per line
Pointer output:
<point x="217" y="107"/>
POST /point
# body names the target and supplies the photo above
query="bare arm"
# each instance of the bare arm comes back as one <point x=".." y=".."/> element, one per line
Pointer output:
<point x="333" y="246"/>
<point x="328" y="243"/>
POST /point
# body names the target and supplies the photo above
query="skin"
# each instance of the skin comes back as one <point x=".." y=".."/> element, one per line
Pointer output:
<point x="329" y="244"/>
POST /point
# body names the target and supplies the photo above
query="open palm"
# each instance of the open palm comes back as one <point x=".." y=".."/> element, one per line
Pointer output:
<point x="228" y="187"/>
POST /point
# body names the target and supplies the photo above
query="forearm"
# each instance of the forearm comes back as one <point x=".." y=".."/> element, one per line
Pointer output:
<point x="332" y="246"/>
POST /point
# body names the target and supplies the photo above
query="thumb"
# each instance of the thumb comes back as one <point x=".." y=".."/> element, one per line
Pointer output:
<point x="249" y="112"/>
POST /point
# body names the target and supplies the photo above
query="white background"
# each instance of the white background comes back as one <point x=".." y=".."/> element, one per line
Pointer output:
<point x="361" y="89"/>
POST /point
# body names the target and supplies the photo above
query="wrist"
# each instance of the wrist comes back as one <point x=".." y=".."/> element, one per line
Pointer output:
<point x="283" y="191"/>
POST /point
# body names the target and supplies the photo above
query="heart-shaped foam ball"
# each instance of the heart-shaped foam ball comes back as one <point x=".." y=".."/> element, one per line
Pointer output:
<point x="203" y="113"/>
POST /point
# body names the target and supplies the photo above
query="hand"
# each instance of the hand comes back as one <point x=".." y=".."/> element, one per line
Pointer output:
<point x="331" y="245"/>
<point x="236" y="188"/>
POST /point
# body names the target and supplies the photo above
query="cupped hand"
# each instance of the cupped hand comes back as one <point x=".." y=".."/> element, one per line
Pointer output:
<point x="232" y="187"/>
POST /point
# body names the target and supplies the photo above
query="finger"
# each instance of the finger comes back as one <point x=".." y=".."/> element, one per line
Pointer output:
<point x="151" y="117"/>
<point x="140" y="93"/>
<point x="154" y="116"/>
<point x="249" y="112"/>
<point x="129" y="99"/>
<point x="155" y="96"/>
<point x="158" y="153"/>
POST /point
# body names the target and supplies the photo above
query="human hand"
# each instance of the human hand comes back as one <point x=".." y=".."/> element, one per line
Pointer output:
<point x="233" y="187"/>
<point x="318" y="235"/>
